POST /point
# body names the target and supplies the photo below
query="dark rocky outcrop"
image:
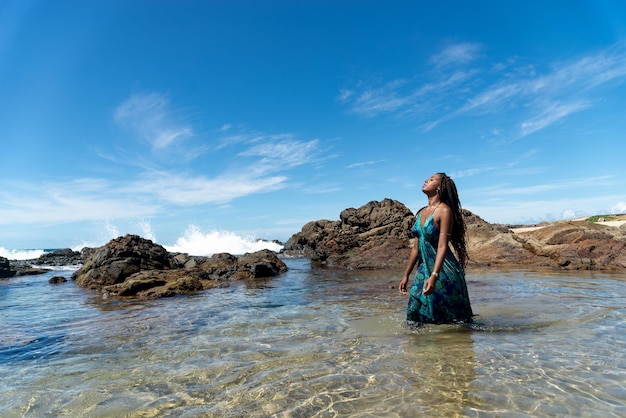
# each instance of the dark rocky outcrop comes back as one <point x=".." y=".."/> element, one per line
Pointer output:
<point x="6" y="270"/>
<point x="377" y="235"/>
<point x="119" y="259"/>
<point x="62" y="257"/>
<point x="134" y="266"/>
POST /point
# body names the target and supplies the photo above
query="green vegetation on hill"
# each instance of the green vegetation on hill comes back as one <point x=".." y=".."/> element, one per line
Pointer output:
<point x="605" y="218"/>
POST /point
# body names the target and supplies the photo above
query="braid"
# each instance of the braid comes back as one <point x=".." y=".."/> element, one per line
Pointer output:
<point x="448" y="194"/>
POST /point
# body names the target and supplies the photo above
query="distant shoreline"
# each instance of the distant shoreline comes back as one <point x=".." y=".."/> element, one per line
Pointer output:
<point x="615" y="224"/>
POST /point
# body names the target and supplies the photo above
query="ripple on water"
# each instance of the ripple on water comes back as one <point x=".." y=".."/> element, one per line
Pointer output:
<point x="316" y="343"/>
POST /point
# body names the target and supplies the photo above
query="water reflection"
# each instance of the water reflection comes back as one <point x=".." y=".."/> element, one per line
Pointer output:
<point x="441" y="360"/>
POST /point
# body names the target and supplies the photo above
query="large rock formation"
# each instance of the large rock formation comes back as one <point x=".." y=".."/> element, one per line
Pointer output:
<point x="134" y="266"/>
<point x="577" y="244"/>
<point x="377" y="235"/>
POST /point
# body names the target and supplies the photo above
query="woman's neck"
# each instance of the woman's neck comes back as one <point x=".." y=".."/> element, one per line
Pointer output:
<point x="433" y="200"/>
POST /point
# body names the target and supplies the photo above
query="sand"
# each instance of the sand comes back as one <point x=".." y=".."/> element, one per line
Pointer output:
<point x="615" y="224"/>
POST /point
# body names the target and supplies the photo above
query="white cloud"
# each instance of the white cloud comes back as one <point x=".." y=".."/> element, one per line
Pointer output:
<point x="620" y="207"/>
<point x="96" y="200"/>
<point x="151" y="117"/>
<point x="405" y="97"/>
<point x="529" y="99"/>
<point x="148" y="191"/>
<point x="198" y="190"/>
<point x="505" y="189"/>
<point x="551" y="114"/>
<point x="525" y="211"/>
<point x="365" y="163"/>
<point x="385" y="99"/>
<point x="289" y="152"/>
<point x="492" y="97"/>
<point x="68" y="202"/>
<point x="345" y="94"/>
<point x="278" y="155"/>
<point x="586" y="72"/>
<point x="569" y="214"/>
<point x="457" y="53"/>
<point x="471" y="172"/>
<point x="168" y="136"/>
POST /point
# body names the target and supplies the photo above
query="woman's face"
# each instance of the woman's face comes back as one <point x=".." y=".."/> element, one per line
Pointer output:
<point x="432" y="183"/>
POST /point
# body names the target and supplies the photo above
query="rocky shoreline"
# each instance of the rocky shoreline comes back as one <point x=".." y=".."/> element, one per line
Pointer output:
<point x="137" y="267"/>
<point x="373" y="236"/>
<point x="43" y="264"/>
<point x="377" y="235"/>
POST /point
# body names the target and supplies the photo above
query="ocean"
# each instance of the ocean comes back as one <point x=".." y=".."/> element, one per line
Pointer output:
<point x="316" y="342"/>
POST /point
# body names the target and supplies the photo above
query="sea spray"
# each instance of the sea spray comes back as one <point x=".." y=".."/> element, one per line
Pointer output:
<point x="196" y="242"/>
<point x="16" y="254"/>
<point x="193" y="242"/>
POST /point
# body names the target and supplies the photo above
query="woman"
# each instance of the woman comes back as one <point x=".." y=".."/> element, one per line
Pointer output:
<point x="439" y="293"/>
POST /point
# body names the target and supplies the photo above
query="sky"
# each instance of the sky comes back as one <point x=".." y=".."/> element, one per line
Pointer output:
<point x="218" y="119"/>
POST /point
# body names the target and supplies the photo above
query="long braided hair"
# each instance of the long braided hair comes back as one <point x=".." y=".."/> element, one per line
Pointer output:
<point x="448" y="194"/>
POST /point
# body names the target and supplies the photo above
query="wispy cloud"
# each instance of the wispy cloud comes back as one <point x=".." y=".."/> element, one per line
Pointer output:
<point x="532" y="190"/>
<point x="178" y="189"/>
<point x="147" y="191"/>
<point x="373" y="101"/>
<point x="282" y="154"/>
<point x="151" y="117"/>
<point x="365" y="163"/>
<point x="74" y="201"/>
<point x="471" y="172"/>
<point x="144" y="196"/>
<point x="493" y="97"/>
<point x="456" y="53"/>
<point x="551" y="114"/>
<point x="404" y="97"/>
<point x="531" y="98"/>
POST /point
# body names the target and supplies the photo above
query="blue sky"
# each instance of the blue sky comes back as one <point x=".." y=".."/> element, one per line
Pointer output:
<point x="164" y="118"/>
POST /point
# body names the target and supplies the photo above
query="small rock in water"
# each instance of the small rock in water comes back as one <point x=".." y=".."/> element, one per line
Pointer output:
<point x="57" y="279"/>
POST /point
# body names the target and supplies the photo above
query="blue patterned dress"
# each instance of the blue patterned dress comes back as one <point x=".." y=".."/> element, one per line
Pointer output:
<point x="450" y="301"/>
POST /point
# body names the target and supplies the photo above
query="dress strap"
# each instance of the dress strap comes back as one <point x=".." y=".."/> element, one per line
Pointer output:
<point x="434" y="210"/>
<point x="420" y="212"/>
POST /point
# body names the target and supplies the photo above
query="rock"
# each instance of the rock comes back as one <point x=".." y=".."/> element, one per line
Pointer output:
<point x="27" y="270"/>
<point x="134" y="266"/>
<point x="260" y="264"/>
<point x="62" y="257"/>
<point x="119" y="259"/>
<point x="5" y="269"/>
<point x="57" y="280"/>
<point x="377" y="236"/>
<point x="578" y="245"/>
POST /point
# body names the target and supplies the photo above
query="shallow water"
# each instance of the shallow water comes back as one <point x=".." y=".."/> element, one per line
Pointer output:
<point x="316" y="343"/>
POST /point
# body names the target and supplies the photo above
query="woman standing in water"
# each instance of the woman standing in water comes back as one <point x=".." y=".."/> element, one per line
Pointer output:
<point x="439" y="293"/>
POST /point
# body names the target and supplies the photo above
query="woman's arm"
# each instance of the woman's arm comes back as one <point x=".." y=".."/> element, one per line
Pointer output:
<point x="445" y="229"/>
<point x="409" y="267"/>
